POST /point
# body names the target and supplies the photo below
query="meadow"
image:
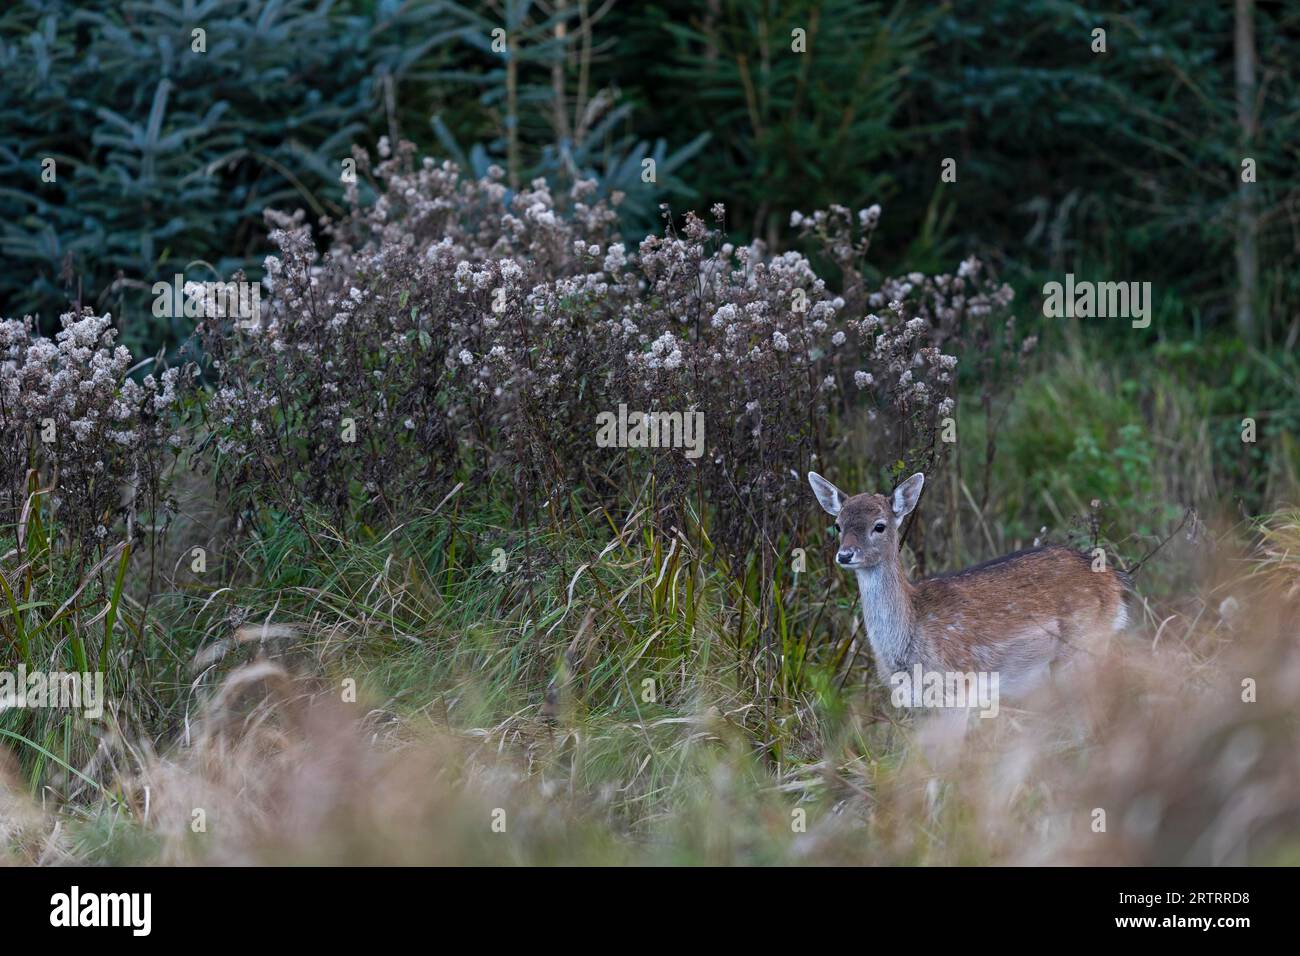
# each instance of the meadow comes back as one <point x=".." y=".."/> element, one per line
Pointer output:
<point x="370" y="590"/>
<point x="324" y="351"/>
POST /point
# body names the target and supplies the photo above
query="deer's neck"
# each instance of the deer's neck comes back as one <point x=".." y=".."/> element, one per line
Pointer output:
<point x="887" y="613"/>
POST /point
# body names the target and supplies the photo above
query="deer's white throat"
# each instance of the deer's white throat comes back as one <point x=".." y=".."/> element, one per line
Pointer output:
<point x="887" y="614"/>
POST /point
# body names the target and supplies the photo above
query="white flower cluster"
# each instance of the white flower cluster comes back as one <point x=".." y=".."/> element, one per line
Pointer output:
<point x="70" y="409"/>
<point x="452" y="315"/>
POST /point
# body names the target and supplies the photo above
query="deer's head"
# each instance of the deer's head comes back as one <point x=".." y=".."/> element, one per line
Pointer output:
<point x="867" y="524"/>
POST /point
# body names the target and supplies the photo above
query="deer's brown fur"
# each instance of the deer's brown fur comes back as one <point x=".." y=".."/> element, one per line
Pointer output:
<point x="1014" y="615"/>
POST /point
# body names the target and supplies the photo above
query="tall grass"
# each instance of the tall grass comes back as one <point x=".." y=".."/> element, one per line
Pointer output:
<point x="518" y="698"/>
<point x="61" y="618"/>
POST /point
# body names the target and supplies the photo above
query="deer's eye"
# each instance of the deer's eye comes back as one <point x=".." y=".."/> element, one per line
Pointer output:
<point x="880" y="527"/>
<point x="837" y="527"/>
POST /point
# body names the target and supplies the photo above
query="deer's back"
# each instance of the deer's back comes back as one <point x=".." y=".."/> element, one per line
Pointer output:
<point x="1016" y="613"/>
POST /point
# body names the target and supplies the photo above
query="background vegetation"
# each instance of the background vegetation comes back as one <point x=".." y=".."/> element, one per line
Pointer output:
<point x="325" y="566"/>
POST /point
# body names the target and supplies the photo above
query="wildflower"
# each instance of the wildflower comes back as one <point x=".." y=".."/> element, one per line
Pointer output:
<point x="615" y="258"/>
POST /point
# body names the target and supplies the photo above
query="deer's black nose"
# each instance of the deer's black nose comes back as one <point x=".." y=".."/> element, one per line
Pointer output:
<point x="844" y="557"/>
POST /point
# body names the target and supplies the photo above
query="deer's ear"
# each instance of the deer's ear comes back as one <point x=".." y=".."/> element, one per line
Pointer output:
<point x="906" y="496"/>
<point x="828" y="496"/>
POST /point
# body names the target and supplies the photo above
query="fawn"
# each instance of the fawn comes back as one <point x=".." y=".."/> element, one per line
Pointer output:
<point x="1013" y="616"/>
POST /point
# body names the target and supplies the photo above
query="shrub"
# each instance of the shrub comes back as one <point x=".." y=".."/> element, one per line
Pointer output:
<point x="74" y="425"/>
<point x="457" y="325"/>
<point x="84" y="456"/>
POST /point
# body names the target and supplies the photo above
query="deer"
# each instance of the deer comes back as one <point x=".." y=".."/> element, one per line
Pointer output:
<point x="1016" y="616"/>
